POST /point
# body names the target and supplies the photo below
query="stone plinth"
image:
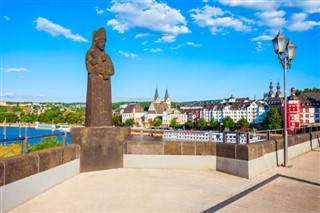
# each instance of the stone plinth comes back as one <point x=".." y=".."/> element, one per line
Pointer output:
<point x="101" y="147"/>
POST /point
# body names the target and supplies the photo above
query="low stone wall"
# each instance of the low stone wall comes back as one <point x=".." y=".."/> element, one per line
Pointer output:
<point x="23" y="177"/>
<point x="244" y="160"/>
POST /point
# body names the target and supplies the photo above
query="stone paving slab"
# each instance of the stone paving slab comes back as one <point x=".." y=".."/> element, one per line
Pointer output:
<point x="151" y="190"/>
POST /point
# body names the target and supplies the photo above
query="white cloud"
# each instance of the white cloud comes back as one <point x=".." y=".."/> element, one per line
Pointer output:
<point x="7" y="95"/>
<point x="193" y="44"/>
<point x="57" y="30"/>
<point x="263" y="38"/>
<point x="214" y="18"/>
<point x="259" y="46"/>
<point x="298" y="23"/>
<point x="145" y="42"/>
<point x="307" y="6"/>
<point x="127" y="54"/>
<point x="13" y="69"/>
<point x="6" y="18"/>
<point x="140" y="35"/>
<point x="272" y="19"/>
<point x="150" y="15"/>
<point x="252" y="4"/>
<point x="154" y="50"/>
<point x="99" y="12"/>
<point x="166" y="38"/>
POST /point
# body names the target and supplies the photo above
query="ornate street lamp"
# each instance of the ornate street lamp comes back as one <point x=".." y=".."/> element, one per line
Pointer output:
<point x="285" y="51"/>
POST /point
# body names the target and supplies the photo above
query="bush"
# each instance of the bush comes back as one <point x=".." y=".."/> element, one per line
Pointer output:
<point x="47" y="142"/>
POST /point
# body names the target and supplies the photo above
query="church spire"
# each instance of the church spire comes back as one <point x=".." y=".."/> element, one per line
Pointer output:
<point x="271" y="93"/>
<point x="166" y="95"/>
<point x="278" y="94"/>
<point x="156" y="95"/>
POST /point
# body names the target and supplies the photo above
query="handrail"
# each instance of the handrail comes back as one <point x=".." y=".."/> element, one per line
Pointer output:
<point x="24" y="140"/>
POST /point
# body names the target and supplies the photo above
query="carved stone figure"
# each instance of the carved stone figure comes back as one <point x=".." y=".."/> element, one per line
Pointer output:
<point x="100" y="68"/>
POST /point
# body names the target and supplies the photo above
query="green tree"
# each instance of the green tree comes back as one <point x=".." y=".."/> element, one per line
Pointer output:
<point x="228" y="122"/>
<point x="71" y="117"/>
<point x="52" y="115"/>
<point x="273" y="120"/>
<point x="213" y="123"/>
<point x="189" y="125"/>
<point x="174" y="123"/>
<point x="47" y="142"/>
<point x="201" y="123"/>
<point x="298" y="92"/>
<point x="157" y="122"/>
<point x="129" y="122"/>
<point x="3" y="109"/>
<point x="28" y="118"/>
<point x="243" y="124"/>
<point x="16" y="109"/>
<point x="116" y="120"/>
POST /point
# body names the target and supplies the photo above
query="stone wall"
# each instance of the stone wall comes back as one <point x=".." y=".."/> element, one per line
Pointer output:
<point x="244" y="160"/>
<point x="227" y="150"/>
<point x="21" y="166"/>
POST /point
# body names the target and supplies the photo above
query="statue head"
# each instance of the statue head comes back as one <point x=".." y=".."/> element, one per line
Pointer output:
<point x="99" y="38"/>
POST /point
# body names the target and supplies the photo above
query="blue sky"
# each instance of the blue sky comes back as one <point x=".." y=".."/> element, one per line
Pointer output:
<point x="198" y="49"/>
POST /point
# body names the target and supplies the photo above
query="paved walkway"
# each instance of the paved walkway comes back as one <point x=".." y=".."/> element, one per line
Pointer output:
<point x="296" y="189"/>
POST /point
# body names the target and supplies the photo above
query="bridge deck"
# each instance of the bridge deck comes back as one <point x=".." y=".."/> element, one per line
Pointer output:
<point x="142" y="190"/>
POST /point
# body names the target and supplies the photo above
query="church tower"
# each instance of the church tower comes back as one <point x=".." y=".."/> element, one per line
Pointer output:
<point x="271" y="93"/>
<point x="167" y="99"/>
<point x="156" y="97"/>
<point x="278" y="94"/>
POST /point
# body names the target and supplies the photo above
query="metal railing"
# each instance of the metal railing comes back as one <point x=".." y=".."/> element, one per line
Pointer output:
<point x="224" y="137"/>
<point x="24" y="140"/>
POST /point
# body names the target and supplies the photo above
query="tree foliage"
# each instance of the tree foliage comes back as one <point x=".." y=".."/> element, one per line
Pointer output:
<point x="157" y="122"/>
<point x="174" y="123"/>
<point x="116" y="120"/>
<point x="213" y="123"/>
<point x="228" y="122"/>
<point x="243" y="123"/>
<point x="189" y="125"/>
<point x="129" y="122"/>
<point x="47" y="142"/>
<point x="201" y="124"/>
<point x="273" y="120"/>
<point x="298" y="92"/>
<point x="11" y="117"/>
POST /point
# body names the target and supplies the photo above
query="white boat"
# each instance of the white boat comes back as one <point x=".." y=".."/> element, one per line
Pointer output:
<point x="63" y="127"/>
<point x="53" y="127"/>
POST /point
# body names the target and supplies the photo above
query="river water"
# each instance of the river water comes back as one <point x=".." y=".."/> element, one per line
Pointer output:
<point x="16" y="132"/>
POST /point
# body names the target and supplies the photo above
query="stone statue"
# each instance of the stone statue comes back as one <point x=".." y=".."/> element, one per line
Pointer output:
<point x="100" y="68"/>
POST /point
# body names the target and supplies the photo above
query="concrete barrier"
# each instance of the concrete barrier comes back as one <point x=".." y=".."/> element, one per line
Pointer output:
<point x="243" y="160"/>
<point x="23" y="177"/>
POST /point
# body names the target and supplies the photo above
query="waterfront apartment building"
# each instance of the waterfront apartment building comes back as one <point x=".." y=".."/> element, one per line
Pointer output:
<point x="253" y="111"/>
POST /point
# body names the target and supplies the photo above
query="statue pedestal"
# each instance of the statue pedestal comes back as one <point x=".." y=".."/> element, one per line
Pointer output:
<point x="101" y="147"/>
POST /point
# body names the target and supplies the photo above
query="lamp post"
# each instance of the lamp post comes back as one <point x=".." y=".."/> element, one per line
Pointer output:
<point x="285" y="51"/>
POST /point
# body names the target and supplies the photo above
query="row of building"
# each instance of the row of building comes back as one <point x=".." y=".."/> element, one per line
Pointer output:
<point x="302" y="110"/>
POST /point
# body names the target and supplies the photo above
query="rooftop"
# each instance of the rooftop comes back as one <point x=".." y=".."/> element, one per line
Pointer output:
<point x="293" y="189"/>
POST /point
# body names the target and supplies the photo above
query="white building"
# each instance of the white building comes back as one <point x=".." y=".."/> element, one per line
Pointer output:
<point x="253" y="111"/>
<point x="133" y="111"/>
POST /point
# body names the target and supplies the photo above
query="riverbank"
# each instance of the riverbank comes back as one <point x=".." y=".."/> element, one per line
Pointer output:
<point x="18" y="124"/>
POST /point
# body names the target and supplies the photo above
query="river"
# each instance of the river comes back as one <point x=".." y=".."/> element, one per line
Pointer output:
<point x="16" y="132"/>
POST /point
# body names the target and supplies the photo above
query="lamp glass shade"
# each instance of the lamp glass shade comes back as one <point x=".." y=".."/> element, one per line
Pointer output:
<point x="279" y="43"/>
<point x="291" y="51"/>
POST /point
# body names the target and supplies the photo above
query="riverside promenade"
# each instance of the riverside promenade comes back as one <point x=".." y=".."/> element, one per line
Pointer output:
<point x="295" y="189"/>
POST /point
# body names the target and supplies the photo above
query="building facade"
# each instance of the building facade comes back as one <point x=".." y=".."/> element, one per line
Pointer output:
<point x="253" y="111"/>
